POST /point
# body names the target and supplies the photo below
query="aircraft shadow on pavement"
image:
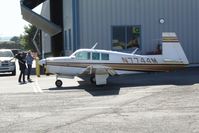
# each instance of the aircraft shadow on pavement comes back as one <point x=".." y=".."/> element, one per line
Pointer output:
<point x="187" y="76"/>
<point x="92" y="89"/>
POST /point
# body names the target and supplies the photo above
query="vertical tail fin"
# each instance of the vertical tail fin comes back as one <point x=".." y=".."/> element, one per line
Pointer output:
<point x="172" y="49"/>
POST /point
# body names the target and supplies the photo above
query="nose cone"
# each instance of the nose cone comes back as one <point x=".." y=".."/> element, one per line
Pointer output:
<point x="42" y="62"/>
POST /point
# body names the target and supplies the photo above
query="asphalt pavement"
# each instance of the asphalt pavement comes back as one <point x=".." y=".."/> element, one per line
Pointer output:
<point x="144" y="103"/>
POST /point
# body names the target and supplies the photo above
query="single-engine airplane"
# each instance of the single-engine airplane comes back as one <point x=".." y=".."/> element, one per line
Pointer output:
<point x="100" y="64"/>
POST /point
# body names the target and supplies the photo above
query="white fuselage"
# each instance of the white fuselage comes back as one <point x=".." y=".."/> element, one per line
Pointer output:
<point x="122" y="63"/>
<point x="172" y="57"/>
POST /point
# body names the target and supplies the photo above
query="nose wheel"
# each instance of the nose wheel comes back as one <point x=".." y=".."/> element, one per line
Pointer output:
<point x="58" y="83"/>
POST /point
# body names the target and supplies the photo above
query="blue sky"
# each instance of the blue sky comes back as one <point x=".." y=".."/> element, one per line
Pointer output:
<point x="11" y="21"/>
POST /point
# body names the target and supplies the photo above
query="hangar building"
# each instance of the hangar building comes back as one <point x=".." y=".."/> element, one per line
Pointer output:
<point x="121" y="25"/>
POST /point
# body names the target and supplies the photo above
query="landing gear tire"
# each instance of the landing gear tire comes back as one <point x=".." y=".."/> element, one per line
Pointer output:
<point x="92" y="79"/>
<point x="58" y="83"/>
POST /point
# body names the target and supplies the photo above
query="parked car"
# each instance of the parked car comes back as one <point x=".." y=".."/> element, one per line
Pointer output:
<point x="7" y="61"/>
<point x="16" y="51"/>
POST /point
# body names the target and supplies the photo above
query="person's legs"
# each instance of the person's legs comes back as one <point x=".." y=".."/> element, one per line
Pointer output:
<point x="29" y="71"/>
<point x="19" y="79"/>
<point x="23" y="74"/>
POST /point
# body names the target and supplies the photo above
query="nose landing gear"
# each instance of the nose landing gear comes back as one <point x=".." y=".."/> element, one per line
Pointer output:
<point x="58" y="83"/>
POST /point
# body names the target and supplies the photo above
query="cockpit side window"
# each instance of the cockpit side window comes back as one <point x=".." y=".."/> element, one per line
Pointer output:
<point x="95" y="56"/>
<point x="83" y="55"/>
<point x="105" y="56"/>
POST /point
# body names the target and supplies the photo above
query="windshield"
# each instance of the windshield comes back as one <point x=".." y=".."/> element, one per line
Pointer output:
<point x="6" y="54"/>
<point x="83" y="55"/>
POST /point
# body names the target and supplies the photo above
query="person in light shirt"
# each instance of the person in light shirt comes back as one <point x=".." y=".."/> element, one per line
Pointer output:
<point x="29" y="60"/>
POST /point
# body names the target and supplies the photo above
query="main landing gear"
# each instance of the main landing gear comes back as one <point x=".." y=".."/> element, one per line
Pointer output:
<point x="99" y="79"/>
<point x="92" y="79"/>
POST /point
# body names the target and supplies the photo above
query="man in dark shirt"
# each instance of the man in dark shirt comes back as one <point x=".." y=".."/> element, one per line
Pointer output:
<point x="22" y="66"/>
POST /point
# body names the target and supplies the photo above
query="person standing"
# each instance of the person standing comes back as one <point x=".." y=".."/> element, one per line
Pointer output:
<point x="22" y="67"/>
<point x="29" y="60"/>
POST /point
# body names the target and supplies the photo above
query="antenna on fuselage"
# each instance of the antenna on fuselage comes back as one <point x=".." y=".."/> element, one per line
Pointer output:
<point x="135" y="51"/>
<point x="95" y="45"/>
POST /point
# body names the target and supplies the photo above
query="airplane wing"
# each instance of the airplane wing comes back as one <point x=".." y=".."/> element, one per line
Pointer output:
<point x="98" y="69"/>
<point x="99" y="72"/>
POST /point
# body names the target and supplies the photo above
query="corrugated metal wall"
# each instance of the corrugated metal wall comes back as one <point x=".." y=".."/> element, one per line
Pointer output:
<point x="181" y="16"/>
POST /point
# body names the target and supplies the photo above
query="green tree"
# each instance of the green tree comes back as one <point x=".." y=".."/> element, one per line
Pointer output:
<point x="15" y="39"/>
<point x="26" y="39"/>
<point x="9" y="45"/>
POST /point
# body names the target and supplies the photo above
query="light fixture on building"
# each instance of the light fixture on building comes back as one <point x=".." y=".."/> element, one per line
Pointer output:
<point x="162" y="21"/>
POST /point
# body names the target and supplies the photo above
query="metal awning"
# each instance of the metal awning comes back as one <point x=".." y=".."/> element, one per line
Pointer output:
<point x="36" y="19"/>
<point x="32" y="3"/>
